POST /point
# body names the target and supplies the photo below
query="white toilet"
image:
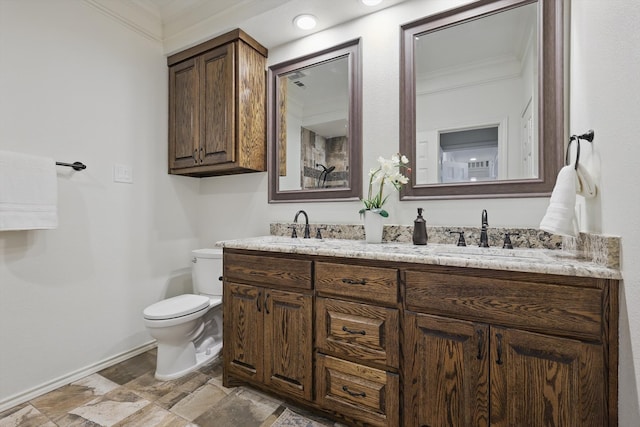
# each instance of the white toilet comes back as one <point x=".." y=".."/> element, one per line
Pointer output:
<point x="188" y="328"/>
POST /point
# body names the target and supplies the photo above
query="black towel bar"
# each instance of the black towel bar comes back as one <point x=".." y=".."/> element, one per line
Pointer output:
<point x="588" y="136"/>
<point x="75" y="165"/>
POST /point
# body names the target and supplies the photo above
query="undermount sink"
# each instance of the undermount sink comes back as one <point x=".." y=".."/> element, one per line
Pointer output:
<point x="507" y="254"/>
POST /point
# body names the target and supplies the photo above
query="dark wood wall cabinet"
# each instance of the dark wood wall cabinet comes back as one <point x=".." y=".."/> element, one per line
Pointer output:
<point x="217" y="107"/>
<point x="399" y="344"/>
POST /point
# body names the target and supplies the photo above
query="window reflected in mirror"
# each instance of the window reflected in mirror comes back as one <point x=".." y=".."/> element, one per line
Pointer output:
<point x="314" y="119"/>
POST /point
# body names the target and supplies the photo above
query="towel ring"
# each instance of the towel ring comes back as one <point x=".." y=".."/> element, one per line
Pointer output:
<point x="586" y="136"/>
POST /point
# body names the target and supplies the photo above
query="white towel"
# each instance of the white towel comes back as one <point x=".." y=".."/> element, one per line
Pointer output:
<point x="561" y="214"/>
<point x="585" y="186"/>
<point x="28" y="192"/>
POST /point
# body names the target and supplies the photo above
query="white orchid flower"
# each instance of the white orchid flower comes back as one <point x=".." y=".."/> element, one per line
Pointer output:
<point x="388" y="173"/>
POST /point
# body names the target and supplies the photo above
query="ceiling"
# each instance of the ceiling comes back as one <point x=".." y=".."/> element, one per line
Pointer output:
<point x="182" y="23"/>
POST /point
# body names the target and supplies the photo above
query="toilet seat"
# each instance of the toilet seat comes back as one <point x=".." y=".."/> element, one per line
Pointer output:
<point x="178" y="306"/>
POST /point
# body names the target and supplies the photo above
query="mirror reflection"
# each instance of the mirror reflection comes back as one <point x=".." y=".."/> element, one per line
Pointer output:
<point x="314" y="119"/>
<point x="476" y="99"/>
<point x="314" y="142"/>
<point x="481" y="101"/>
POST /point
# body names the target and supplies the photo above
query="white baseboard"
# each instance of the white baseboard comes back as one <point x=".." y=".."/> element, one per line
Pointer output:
<point x="25" y="396"/>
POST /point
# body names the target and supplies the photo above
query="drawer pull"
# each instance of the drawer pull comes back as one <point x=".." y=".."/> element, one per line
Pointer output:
<point x="353" y="331"/>
<point x="354" y="282"/>
<point x="480" y="341"/>
<point x="258" y="302"/>
<point x="499" y="350"/>
<point x="354" y="394"/>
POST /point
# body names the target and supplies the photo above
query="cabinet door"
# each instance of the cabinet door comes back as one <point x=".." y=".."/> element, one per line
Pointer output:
<point x="184" y="124"/>
<point x="446" y="370"/>
<point x="539" y="380"/>
<point x="217" y="107"/>
<point x="243" y="331"/>
<point x="288" y="342"/>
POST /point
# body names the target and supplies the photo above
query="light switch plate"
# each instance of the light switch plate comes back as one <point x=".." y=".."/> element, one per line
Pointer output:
<point x="122" y="173"/>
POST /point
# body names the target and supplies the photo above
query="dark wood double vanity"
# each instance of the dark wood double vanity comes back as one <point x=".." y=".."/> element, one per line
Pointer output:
<point x="385" y="339"/>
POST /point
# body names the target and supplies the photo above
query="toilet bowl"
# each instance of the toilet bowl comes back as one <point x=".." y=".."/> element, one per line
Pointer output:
<point x="188" y="328"/>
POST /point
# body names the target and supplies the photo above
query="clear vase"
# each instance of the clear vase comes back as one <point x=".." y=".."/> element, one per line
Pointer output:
<point x="373" y="226"/>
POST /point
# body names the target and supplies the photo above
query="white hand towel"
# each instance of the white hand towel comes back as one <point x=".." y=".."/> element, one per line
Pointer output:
<point x="28" y="192"/>
<point x="585" y="185"/>
<point x="561" y="214"/>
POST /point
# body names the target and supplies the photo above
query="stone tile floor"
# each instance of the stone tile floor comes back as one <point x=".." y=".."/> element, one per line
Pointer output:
<point x="127" y="394"/>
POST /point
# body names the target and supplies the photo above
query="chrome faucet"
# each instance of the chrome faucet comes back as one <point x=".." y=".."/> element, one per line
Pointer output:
<point x="484" y="238"/>
<point x="307" y="233"/>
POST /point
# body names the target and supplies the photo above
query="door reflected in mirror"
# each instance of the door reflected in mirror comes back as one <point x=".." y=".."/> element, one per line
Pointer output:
<point x="476" y="99"/>
<point x="314" y="119"/>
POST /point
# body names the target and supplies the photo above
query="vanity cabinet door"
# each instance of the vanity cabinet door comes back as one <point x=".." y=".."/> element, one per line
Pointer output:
<point x="446" y="370"/>
<point x="243" y="331"/>
<point x="461" y="373"/>
<point x="268" y="338"/>
<point x="288" y="342"/>
<point x="540" y="380"/>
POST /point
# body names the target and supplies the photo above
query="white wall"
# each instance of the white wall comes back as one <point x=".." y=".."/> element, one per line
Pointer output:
<point x="76" y="85"/>
<point x="605" y="90"/>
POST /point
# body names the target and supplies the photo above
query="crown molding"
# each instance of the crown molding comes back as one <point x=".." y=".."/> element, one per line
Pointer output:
<point x="132" y="15"/>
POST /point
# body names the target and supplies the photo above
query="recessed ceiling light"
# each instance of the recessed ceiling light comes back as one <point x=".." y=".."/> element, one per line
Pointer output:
<point x="371" y="2"/>
<point x="305" y="21"/>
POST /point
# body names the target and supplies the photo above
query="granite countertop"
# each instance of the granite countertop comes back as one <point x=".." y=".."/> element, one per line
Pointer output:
<point x="548" y="261"/>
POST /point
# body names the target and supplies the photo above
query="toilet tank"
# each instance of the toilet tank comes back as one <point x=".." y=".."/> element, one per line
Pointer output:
<point x="206" y="271"/>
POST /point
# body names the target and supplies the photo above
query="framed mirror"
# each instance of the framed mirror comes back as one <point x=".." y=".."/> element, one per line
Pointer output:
<point x="314" y="126"/>
<point x="482" y="106"/>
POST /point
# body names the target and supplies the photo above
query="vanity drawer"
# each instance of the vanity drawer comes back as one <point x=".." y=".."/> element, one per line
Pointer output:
<point x="358" y="391"/>
<point x="266" y="270"/>
<point x="358" y="331"/>
<point x="358" y="282"/>
<point x="542" y="307"/>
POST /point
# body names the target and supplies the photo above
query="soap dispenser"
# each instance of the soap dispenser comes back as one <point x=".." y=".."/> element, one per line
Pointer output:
<point x="419" y="230"/>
